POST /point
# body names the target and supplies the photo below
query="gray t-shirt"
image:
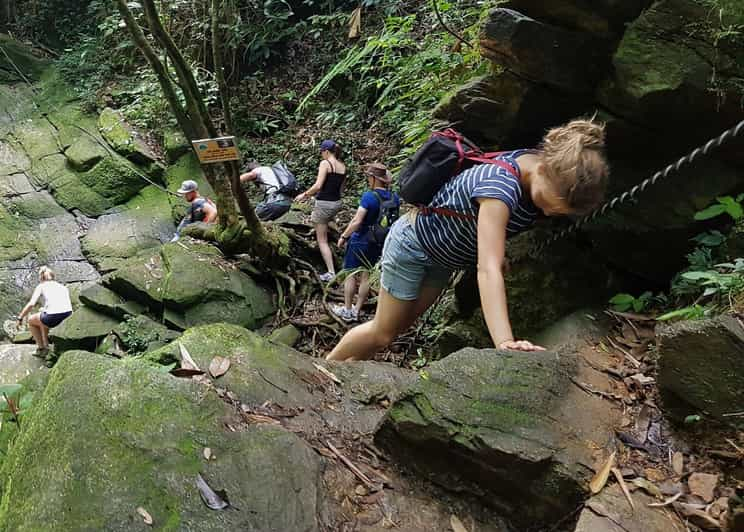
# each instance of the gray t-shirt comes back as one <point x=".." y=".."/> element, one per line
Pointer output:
<point x="270" y="183"/>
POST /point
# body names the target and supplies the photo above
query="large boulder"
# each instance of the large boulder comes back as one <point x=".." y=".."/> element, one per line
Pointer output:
<point x="18" y="63"/>
<point x="135" y="438"/>
<point x="123" y="138"/>
<point x="701" y="368"/>
<point x="504" y="110"/>
<point x="17" y="362"/>
<point x="101" y="299"/>
<point x="605" y="18"/>
<point x="85" y="329"/>
<point x="193" y="281"/>
<point x="508" y="426"/>
<point x="543" y="53"/>
<point x="144" y="222"/>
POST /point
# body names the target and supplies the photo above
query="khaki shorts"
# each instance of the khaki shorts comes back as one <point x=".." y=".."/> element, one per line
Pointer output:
<point x="325" y="211"/>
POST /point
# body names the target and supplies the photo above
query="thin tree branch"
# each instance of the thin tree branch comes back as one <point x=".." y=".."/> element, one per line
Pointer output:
<point x="442" y="23"/>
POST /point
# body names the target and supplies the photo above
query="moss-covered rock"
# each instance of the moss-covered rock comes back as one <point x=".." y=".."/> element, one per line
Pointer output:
<point x="115" y="179"/>
<point x="85" y="153"/>
<point x="141" y="333"/>
<point x="145" y="431"/>
<point x="192" y="279"/>
<point x="123" y="138"/>
<point x="144" y="222"/>
<point x="185" y="168"/>
<point x="17" y="362"/>
<point x="502" y="425"/>
<point x="105" y="301"/>
<point x="700" y="368"/>
<point x="18" y="62"/>
<point x="287" y="335"/>
<point x="83" y="330"/>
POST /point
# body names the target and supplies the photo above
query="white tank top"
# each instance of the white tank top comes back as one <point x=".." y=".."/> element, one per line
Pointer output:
<point x="56" y="297"/>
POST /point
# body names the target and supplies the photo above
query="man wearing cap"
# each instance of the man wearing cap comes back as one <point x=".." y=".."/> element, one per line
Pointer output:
<point x="200" y="209"/>
<point x="363" y="238"/>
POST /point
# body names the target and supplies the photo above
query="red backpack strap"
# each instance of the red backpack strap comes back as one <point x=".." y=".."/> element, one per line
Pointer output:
<point x="442" y="211"/>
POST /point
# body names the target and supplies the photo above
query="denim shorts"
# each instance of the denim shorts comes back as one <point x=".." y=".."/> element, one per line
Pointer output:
<point x="406" y="267"/>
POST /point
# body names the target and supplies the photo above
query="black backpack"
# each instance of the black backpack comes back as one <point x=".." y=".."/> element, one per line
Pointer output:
<point x="386" y="217"/>
<point x="289" y="186"/>
<point x="443" y="156"/>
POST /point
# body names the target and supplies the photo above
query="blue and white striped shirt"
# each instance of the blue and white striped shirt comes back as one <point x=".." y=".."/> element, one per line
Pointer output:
<point x="453" y="242"/>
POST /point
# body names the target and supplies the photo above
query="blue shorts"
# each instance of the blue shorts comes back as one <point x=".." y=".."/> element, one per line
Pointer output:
<point x="52" y="320"/>
<point x="361" y="254"/>
<point x="406" y="267"/>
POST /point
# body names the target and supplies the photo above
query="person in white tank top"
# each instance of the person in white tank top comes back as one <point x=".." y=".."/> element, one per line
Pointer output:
<point x="55" y="309"/>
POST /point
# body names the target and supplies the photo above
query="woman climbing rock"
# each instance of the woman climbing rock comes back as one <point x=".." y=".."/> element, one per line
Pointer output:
<point x="327" y="190"/>
<point x="57" y="308"/>
<point x="362" y="238"/>
<point x="466" y="226"/>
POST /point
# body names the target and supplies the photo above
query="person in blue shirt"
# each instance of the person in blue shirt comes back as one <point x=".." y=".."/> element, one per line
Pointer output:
<point x="363" y="248"/>
<point x="466" y="226"/>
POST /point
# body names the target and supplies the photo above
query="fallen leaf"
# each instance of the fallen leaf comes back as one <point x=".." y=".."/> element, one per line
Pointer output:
<point x="647" y="486"/>
<point x="186" y="361"/>
<point x="654" y="475"/>
<point x="642" y="423"/>
<point x="667" y="502"/>
<point x="600" y="478"/>
<point x="355" y="23"/>
<point x="215" y="500"/>
<point x="219" y="366"/>
<point x="146" y="517"/>
<point x="719" y="507"/>
<point x="207" y="453"/>
<point x="704" y="520"/>
<point x="456" y="524"/>
<point x="703" y="485"/>
<point x="678" y="463"/>
<point x="623" y="486"/>
<point x="327" y="373"/>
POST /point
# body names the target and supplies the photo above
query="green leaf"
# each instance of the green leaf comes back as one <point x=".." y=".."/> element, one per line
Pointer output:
<point x="622" y="299"/>
<point x="710" y="212"/>
<point x="693" y="419"/>
<point x="698" y="276"/>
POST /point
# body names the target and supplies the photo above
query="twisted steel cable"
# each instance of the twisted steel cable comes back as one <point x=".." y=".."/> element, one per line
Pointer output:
<point x="631" y="194"/>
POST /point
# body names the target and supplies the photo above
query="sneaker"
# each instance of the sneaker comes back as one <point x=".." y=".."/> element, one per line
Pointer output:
<point x="41" y="352"/>
<point x="343" y="313"/>
<point x="326" y="277"/>
<point x="354" y="314"/>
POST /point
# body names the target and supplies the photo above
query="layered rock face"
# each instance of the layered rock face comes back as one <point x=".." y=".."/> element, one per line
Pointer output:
<point x="665" y="76"/>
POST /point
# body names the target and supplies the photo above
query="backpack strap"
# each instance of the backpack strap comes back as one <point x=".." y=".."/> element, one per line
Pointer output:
<point x="380" y="212"/>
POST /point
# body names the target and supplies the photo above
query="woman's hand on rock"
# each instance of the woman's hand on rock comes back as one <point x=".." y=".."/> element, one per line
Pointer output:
<point x="301" y="197"/>
<point x="520" y="345"/>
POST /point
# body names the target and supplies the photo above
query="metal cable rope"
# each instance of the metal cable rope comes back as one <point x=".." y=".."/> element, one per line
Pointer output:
<point x="631" y="194"/>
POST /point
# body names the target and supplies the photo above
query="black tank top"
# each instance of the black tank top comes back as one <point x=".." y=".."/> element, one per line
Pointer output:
<point x="331" y="189"/>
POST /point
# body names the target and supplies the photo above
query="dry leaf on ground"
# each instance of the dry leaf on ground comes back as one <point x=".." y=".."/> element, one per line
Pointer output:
<point x="219" y="366"/>
<point x="678" y="463"/>
<point x="146" y="517"/>
<point x="456" y="524"/>
<point x="619" y="477"/>
<point x="703" y="485"/>
<point x="186" y="361"/>
<point x="647" y="486"/>
<point x="600" y="478"/>
<point x="207" y="453"/>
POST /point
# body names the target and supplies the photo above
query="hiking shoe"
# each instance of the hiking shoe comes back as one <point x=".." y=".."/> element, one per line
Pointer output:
<point x="41" y="352"/>
<point x="51" y="358"/>
<point x="326" y="277"/>
<point x="344" y="313"/>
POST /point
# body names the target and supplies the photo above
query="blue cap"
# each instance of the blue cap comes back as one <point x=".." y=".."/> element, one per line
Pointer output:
<point x="327" y="145"/>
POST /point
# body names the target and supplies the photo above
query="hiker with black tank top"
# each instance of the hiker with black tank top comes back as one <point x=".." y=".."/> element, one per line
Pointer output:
<point x="378" y="207"/>
<point x="466" y="225"/>
<point x="327" y="191"/>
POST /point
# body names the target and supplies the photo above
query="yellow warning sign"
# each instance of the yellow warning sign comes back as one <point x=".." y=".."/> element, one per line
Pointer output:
<point x="216" y="150"/>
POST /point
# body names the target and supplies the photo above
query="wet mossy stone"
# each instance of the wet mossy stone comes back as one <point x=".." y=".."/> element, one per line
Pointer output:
<point x="193" y="279"/>
<point x="123" y="138"/>
<point x="701" y="368"/>
<point x="141" y="333"/>
<point x="101" y="299"/>
<point x="83" y="330"/>
<point x="260" y="370"/>
<point x="110" y="436"/>
<point x="17" y="362"/>
<point x="544" y="53"/>
<point x="115" y="179"/>
<point x="143" y="223"/>
<point x="175" y="145"/>
<point x="287" y="335"/>
<point x="18" y="57"/>
<point x="84" y="153"/>
<point x="492" y="423"/>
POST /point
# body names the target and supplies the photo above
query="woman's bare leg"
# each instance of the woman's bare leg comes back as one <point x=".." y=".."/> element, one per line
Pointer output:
<point x="392" y="317"/>
<point x="321" y="234"/>
<point x="36" y="328"/>
<point x="350" y="288"/>
<point x="363" y="292"/>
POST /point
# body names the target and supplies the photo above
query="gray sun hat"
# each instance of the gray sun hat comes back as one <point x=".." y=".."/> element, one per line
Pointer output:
<point x="188" y="186"/>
